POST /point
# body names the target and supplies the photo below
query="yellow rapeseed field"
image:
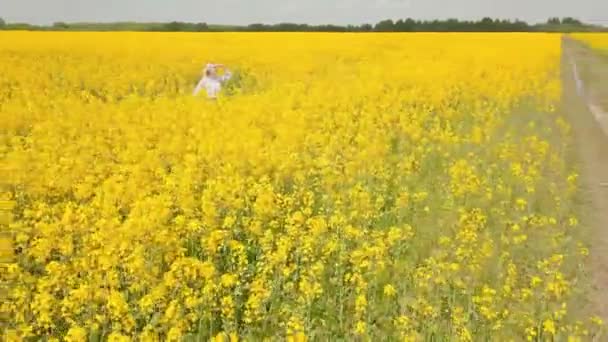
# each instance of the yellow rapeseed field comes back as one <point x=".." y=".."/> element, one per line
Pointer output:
<point x="344" y="187"/>
<point x="598" y="41"/>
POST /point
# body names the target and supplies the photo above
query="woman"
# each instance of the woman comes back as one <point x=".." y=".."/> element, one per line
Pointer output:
<point x="211" y="81"/>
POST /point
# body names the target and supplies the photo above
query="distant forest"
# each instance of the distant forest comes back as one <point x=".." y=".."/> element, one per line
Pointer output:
<point x="403" y="25"/>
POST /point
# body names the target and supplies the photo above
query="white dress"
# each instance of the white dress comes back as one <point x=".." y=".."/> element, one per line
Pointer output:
<point x="212" y="84"/>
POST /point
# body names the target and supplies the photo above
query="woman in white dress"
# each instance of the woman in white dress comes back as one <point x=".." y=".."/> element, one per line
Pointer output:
<point x="211" y="81"/>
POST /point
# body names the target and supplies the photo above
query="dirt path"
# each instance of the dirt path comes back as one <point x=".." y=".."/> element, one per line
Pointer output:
<point x="583" y="86"/>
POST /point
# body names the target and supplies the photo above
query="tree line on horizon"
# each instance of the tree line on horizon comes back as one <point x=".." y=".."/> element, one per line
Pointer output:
<point x="567" y="24"/>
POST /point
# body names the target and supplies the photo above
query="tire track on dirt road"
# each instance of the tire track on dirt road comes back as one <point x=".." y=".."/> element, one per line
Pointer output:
<point x="590" y="125"/>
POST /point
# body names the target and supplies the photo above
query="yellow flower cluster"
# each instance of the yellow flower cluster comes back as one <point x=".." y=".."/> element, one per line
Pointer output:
<point x="598" y="41"/>
<point x="381" y="186"/>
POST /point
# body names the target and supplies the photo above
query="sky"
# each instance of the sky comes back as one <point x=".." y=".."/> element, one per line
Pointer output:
<point x="239" y="12"/>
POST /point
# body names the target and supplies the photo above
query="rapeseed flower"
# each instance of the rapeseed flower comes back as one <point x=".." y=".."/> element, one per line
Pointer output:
<point x="407" y="186"/>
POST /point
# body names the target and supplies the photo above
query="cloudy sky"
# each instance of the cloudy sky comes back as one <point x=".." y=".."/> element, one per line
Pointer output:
<point x="301" y="11"/>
